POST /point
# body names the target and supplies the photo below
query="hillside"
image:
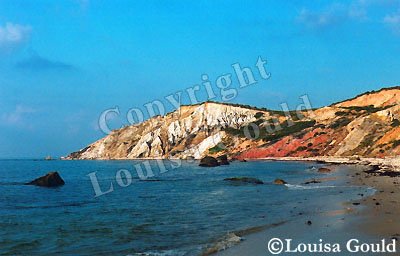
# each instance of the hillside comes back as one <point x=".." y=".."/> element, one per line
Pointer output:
<point x="367" y="125"/>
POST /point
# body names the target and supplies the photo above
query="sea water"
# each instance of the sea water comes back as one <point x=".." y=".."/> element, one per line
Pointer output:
<point x="183" y="211"/>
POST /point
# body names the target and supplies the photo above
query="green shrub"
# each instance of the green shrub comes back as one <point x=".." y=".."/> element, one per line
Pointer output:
<point x="258" y="115"/>
<point x="301" y="148"/>
<point x="343" y="121"/>
<point x="215" y="149"/>
<point x="396" y="143"/>
<point x="289" y="130"/>
<point x="395" y="123"/>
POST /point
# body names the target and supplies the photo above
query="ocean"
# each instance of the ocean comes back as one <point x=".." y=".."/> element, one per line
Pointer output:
<point x="188" y="210"/>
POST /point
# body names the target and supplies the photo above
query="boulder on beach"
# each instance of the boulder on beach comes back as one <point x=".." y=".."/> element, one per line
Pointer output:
<point x="223" y="160"/>
<point x="245" y="180"/>
<point x="279" y="182"/>
<point x="208" y="161"/>
<point x="52" y="179"/>
<point x="324" y="170"/>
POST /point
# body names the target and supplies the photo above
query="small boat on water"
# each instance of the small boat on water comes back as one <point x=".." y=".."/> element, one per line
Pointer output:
<point x="48" y="158"/>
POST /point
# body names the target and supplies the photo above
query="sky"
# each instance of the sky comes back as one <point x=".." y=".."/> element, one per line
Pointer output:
<point x="62" y="63"/>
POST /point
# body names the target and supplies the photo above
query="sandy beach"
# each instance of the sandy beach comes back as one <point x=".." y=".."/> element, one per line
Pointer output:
<point x="370" y="218"/>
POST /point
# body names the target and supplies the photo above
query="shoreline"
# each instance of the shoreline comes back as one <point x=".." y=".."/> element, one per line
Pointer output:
<point x="388" y="162"/>
<point x="370" y="218"/>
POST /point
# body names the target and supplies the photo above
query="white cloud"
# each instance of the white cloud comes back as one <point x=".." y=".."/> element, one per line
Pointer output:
<point x="17" y="116"/>
<point x="356" y="10"/>
<point x="393" y="22"/>
<point x="332" y="15"/>
<point x="13" y="35"/>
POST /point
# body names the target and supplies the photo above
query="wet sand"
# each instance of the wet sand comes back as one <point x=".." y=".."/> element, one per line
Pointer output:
<point x="369" y="219"/>
<point x="380" y="216"/>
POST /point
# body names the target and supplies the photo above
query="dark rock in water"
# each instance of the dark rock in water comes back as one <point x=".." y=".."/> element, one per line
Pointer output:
<point x="223" y="160"/>
<point x="312" y="182"/>
<point x="243" y="160"/>
<point x="309" y="223"/>
<point x="245" y="180"/>
<point x="51" y="179"/>
<point x="324" y="170"/>
<point x="208" y="161"/>
<point x="279" y="182"/>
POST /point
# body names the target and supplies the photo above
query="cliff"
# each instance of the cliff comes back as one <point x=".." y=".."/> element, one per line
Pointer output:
<point x="367" y="125"/>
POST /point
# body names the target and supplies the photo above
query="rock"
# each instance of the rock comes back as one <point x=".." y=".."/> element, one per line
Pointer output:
<point x="223" y="160"/>
<point x="390" y="173"/>
<point x="52" y="179"/>
<point x="243" y="160"/>
<point x="356" y="158"/>
<point x="245" y="180"/>
<point x="279" y="182"/>
<point x="373" y="169"/>
<point x="313" y="181"/>
<point x="324" y="170"/>
<point x="208" y="161"/>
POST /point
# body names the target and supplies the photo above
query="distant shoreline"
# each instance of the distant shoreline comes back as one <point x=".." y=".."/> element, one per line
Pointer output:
<point x="388" y="162"/>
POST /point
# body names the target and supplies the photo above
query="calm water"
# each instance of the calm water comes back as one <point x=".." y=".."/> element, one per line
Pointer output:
<point x="179" y="212"/>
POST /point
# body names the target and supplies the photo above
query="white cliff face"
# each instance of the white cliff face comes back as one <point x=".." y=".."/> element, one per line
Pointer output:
<point x="200" y="149"/>
<point x="188" y="132"/>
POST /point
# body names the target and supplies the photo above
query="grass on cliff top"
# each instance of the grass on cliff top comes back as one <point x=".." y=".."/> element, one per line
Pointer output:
<point x="367" y="93"/>
<point x="293" y="113"/>
<point x="360" y="110"/>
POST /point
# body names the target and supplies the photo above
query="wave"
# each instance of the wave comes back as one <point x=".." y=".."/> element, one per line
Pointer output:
<point x="163" y="180"/>
<point x="160" y="253"/>
<point x="61" y="205"/>
<point x="233" y="238"/>
<point x="229" y="240"/>
<point x="301" y="187"/>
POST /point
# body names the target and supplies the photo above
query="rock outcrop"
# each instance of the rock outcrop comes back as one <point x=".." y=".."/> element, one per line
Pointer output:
<point x="51" y="179"/>
<point x="208" y="161"/>
<point x="279" y="182"/>
<point x="191" y="131"/>
<point x="223" y="160"/>
<point x="366" y="126"/>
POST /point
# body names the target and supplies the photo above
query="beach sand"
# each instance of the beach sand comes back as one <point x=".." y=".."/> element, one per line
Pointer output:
<point x="380" y="216"/>
<point x="369" y="219"/>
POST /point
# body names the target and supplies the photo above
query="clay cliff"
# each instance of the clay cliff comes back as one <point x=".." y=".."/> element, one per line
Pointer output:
<point x="367" y="125"/>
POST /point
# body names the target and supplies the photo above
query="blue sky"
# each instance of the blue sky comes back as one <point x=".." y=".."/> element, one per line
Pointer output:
<point x="63" y="62"/>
